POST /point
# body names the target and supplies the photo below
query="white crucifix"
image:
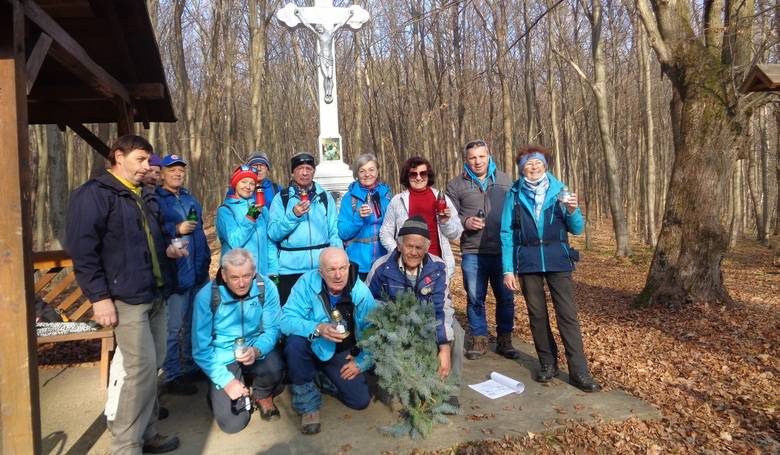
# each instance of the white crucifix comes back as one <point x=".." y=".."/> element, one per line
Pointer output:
<point x="325" y="21"/>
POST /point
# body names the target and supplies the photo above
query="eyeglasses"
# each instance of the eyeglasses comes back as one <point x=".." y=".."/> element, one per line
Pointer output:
<point x="415" y="175"/>
<point x="474" y="144"/>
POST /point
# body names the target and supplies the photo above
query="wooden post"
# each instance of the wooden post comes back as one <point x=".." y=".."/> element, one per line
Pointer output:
<point x="20" y="421"/>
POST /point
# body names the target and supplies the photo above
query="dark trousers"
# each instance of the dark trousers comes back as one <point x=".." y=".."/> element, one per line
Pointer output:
<point x="302" y="367"/>
<point x="561" y="290"/>
<point x="286" y="283"/>
<point x="268" y="377"/>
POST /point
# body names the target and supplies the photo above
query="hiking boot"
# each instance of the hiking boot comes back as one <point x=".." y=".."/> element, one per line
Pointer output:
<point x="268" y="410"/>
<point x="584" y="382"/>
<point x="310" y="423"/>
<point x="161" y="444"/>
<point x="504" y="346"/>
<point x="546" y="373"/>
<point x="478" y="348"/>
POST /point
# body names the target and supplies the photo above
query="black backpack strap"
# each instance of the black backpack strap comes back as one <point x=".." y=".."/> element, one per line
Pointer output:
<point x="261" y="289"/>
<point x="216" y="300"/>
<point x="285" y="194"/>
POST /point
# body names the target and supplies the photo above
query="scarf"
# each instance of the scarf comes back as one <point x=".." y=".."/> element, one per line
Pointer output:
<point x="483" y="183"/>
<point x="537" y="190"/>
<point x="373" y="198"/>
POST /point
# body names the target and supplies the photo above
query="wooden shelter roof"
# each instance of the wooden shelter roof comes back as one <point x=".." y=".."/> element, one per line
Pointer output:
<point x="762" y="78"/>
<point x="90" y="55"/>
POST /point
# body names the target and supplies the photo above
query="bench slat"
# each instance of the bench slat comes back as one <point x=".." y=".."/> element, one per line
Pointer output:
<point x="59" y="287"/>
<point x="82" y="309"/>
<point x="70" y="300"/>
<point x="102" y="333"/>
<point x="46" y="278"/>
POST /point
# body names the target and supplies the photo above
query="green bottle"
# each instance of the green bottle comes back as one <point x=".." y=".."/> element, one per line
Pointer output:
<point x="193" y="215"/>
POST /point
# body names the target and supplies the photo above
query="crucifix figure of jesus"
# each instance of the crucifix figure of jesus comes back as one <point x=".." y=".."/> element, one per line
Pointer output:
<point x="326" y="47"/>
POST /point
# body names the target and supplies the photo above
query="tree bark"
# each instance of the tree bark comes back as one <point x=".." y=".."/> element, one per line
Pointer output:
<point x="649" y="138"/>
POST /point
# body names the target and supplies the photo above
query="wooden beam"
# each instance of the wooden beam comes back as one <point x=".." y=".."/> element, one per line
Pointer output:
<point x="90" y="138"/>
<point x="36" y="58"/>
<point x="124" y="122"/>
<point x="20" y="422"/>
<point x="69" y="53"/>
<point x="66" y="94"/>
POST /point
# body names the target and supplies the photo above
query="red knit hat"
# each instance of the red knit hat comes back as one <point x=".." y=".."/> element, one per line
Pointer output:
<point x="241" y="173"/>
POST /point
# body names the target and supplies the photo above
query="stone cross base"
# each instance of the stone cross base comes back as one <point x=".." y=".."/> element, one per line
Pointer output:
<point x="334" y="177"/>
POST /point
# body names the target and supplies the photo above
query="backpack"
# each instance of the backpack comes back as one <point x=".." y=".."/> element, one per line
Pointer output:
<point x="216" y="300"/>
<point x="285" y="195"/>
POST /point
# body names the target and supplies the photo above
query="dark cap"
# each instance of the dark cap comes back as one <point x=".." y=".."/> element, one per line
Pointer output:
<point x="415" y="225"/>
<point x="259" y="158"/>
<point x="301" y="159"/>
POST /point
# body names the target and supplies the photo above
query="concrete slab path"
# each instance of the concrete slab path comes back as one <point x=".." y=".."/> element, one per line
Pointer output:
<point x="73" y="423"/>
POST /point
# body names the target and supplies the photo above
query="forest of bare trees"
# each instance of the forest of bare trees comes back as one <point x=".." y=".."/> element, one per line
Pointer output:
<point x="638" y="100"/>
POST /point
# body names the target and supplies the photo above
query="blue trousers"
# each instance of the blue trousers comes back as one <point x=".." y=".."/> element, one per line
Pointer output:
<point x="302" y="366"/>
<point x="478" y="270"/>
<point x="178" y="360"/>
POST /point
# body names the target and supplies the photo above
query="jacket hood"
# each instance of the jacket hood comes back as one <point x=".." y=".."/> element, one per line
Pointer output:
<point x="234" y="199"/>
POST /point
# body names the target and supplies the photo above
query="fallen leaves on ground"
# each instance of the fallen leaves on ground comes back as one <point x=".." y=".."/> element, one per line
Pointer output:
<point x="712" y="371"/>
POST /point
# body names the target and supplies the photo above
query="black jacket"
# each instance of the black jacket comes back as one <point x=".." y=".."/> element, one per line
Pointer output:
<point x="107" y="242"/>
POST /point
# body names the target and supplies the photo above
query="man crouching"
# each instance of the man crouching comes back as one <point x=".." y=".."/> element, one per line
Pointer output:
<point x="317" y="341"/>
<point x="410" y="268"/>
<point x="235" y="328"/>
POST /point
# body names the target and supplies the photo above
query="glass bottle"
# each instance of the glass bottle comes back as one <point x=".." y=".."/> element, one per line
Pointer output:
<point x="338" y="322"/>
<point x="441" y="203"/>
<point x="564" y="195"/>
<point x="260" y="197"/>
<point x="193" y="215"/>
<point x="239" y="347"/>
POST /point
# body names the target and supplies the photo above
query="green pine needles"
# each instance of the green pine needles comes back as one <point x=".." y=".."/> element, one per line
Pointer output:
<point x="403" y="345"/>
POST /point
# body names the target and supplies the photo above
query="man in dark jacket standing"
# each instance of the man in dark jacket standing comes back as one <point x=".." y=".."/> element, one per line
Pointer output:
<point x="119" y="256"/>
<point x="478" y="195"/>
<point x="183" y="221"/>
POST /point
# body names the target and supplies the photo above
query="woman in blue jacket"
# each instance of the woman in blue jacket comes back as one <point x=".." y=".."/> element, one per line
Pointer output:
<point x="538" y="214"/>
<point x="361" y="214"/>
<point x="241" y="224"/>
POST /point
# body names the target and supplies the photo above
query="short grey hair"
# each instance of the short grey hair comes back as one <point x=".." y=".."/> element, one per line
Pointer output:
<point x="361" y="161"/>
<point x="236" y="258"/>
<point x="401" y="238"/>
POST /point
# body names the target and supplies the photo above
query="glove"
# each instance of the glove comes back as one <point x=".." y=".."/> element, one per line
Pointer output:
<point x="253" y="213"/>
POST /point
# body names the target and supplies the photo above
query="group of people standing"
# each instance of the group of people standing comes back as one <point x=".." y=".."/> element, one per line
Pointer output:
<point x="299" y="275"/>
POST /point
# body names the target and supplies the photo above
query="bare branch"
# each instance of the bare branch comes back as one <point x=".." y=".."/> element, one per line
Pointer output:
<point x="656" y="40"/>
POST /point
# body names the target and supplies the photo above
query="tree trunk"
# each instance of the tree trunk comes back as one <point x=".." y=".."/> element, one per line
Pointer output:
<point x="649" y="133"/>
<point x="619" y="221"/>
<point x="500" y="16"/>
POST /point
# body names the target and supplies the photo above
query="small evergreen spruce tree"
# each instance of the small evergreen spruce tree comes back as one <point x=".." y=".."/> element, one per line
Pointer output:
<point x="403" y="346"/>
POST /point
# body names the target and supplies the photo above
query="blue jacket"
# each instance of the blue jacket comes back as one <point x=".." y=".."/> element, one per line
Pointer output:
<point x="192" y="270"/>
<point x="530" y="245"/>
<point x="235" y="230"/>
<point x="387" y="279"/>
<point x="307" y="307"/>
<point x="361" y="235"/>
<point x="107" y="242"/>
<point x="301" y="239"/>
<point x="213" y="334"/>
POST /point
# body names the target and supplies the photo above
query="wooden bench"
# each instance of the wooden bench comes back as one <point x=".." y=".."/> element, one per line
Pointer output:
<point x="68" y="301"/>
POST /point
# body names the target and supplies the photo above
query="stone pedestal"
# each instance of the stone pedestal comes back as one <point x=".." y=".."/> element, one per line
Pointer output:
<point x="335" y="177"/>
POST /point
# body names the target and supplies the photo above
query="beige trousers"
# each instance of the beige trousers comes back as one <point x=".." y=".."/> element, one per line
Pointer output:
<point x="141" y="338"/>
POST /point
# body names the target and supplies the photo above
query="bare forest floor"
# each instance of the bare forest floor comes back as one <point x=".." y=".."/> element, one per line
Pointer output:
<point x="713" y="372"/>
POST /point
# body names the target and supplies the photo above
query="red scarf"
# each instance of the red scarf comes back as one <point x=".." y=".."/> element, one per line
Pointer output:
<point x="423" y="203"/>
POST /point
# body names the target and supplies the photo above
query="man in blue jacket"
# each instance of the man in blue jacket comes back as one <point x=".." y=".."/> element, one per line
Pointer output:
<point x="182" y="220"/>
<point x="303" y="222"/>
<point x="260" y="163"/>
<point x="120" y="258"/>
<point x="314" y="341"/>
<point x="235" y="331"/>
<point x="411" y="268"/>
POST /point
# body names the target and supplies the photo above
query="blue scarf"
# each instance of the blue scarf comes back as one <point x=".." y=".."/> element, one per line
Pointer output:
<point x="537" y="190"/>
<point x="483" y="183"/>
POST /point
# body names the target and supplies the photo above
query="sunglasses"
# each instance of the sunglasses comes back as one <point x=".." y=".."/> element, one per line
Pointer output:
<point x="246" y="167"/>
<point x="475" y="144"/>
<point x="421" y="174"/>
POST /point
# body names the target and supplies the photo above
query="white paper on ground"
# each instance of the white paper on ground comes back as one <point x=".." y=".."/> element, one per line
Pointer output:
<point x="498" y="386"/>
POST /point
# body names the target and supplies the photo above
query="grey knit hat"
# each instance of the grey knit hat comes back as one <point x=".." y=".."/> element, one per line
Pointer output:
<point x="415" y="225"/>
